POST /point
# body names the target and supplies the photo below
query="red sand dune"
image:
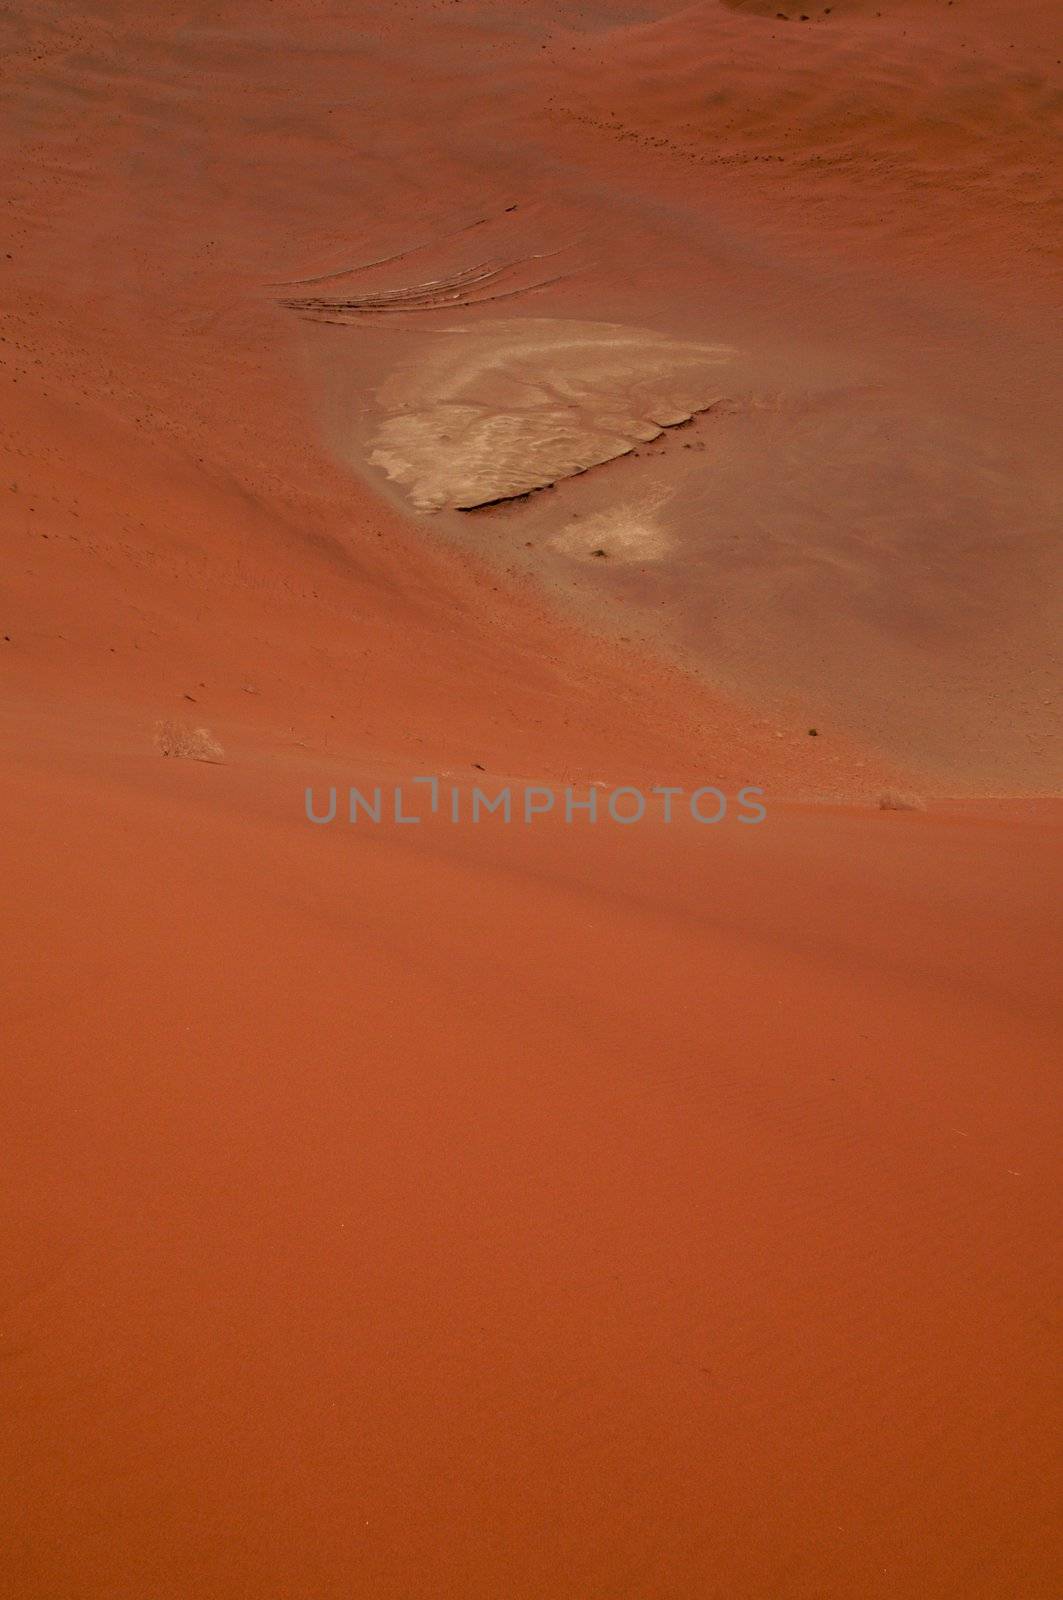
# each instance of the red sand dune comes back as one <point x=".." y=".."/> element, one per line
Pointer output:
<point x="542" y="1210"/>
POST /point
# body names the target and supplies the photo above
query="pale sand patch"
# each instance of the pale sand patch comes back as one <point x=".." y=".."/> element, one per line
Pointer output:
<point x="626" y="534"/>
<point x="498" y="410"/>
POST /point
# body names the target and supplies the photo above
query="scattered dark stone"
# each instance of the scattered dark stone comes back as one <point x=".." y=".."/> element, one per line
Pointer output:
<point x="813" y="732"/>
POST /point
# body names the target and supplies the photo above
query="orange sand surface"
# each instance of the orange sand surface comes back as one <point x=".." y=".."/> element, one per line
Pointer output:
<point x="546" y="1211"/>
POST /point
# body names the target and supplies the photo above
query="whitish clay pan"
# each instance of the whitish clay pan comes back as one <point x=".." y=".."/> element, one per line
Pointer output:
<point x="502" y="408"/>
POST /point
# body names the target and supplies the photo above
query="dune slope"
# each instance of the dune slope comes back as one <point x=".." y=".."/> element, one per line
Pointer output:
<point x="539" y="1209"/>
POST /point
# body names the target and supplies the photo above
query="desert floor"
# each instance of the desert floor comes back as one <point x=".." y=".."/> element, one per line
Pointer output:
<point x="544" y="1211"/>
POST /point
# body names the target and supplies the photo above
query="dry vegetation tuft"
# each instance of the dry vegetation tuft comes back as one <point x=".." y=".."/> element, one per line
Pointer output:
<point x="892" y="801"/>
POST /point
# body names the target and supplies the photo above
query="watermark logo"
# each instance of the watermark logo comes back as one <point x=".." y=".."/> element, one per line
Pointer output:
<point x="622" y="806"/>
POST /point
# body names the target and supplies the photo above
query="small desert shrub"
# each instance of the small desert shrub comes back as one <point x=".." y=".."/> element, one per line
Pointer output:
<point x="890" y="800"/>
<point x="193" y="744"/>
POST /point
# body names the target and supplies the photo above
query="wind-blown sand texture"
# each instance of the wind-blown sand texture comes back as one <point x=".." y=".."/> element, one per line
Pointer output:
<point x="549" y="1212"/>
